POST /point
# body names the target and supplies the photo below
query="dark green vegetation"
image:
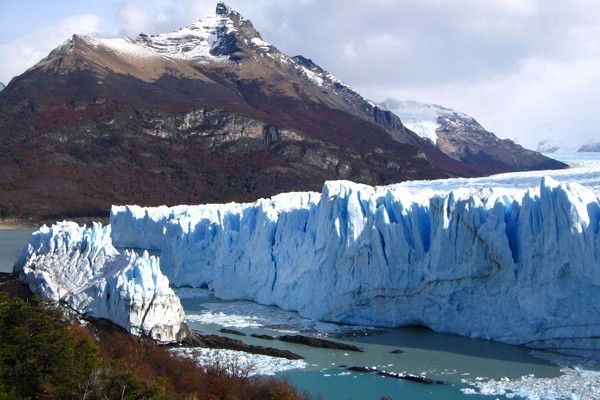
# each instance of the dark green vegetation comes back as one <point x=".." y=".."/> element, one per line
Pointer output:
<point x="43" y="357"/>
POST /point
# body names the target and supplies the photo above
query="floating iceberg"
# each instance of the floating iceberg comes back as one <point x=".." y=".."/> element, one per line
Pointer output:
<point x="79" y="267"/>
<point x="481" y="258"/>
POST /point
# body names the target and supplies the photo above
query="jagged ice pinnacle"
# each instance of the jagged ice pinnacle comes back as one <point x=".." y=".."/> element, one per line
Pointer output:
<point x="78" y="267"/>
<point x="520" y="266"/>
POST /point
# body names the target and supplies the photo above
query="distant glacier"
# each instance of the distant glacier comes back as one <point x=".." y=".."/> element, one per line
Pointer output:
<point x="513" y="258"/>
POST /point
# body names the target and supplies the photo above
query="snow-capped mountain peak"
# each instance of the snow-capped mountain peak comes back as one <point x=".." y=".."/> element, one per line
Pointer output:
<point x="211" y="38"/>
<point x="224" y="36"/>
<point x="425" y="119"/>
<point x="459" y="135"/>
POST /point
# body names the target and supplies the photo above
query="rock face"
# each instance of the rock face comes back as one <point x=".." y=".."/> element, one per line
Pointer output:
<point x="590" y="147"/>
<point x="79" y="268"/>
<point x="212" y="110"/>
<point x="548" y="146"/>
<point x="463" y="139"/>
<point x="492" y="261"/>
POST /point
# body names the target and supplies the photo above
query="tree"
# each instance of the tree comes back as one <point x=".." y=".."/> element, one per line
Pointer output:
<point x="40" y="355"/>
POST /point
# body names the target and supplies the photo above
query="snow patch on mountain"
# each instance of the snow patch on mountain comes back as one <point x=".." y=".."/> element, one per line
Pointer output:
<point x="124" y="47"/>
<point x="2" y="86"/>
<point x="591" y="146"/>
<point x="207" y="39"/>
<point x="495" y="258"/>
<point x="261" y="44"/>
<point x="422" y="118"/>
<point x="317" y="75"/>
<point x="79" y="267"/>
<point x="193" y="42"/>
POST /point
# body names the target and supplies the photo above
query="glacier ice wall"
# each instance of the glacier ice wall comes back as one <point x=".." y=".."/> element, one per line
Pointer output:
<point x="520" y="266"/>
<point x="80" y="268"/>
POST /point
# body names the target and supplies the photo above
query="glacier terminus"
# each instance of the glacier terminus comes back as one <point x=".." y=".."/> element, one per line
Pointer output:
<point x="520" y="266"/>
<point x="513" y="258"/>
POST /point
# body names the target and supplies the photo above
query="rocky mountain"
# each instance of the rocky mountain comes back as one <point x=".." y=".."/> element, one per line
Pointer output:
<point x="548" y="146"/>
<point x="208" y="113"/>
<point x="463" y="139"/>
<point x="590" y="147"/>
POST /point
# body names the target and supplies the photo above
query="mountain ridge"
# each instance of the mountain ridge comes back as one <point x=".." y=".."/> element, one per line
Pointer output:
<point x="591" y="146"/>
<point x="460" y="136"/>
<point x="215" y="114"/>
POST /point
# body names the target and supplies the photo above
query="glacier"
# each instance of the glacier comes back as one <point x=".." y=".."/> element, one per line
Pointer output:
<point x="79" y="268"/>
<point x="497" y="258"/>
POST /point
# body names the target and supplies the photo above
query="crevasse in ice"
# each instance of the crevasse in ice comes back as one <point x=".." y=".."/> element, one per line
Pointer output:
<point x="515" y="265"/>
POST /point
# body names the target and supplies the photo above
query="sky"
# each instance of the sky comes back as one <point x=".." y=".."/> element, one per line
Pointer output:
<point x="527" y="70"/>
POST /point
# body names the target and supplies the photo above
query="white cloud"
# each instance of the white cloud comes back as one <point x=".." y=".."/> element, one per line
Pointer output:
<point x="522" y="67"/>
<point x="153" y="17"/>
<point x="554" y="100"/>
<point x="349" y="51"/>
<point x="133" y="19"/>
<point x="25" y="52"/>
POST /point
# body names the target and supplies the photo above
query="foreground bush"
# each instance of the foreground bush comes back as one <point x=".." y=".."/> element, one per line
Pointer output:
<point x="42" y="357"/>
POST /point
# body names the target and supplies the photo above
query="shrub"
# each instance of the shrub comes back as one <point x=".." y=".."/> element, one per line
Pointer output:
<point x="42" y="357"/>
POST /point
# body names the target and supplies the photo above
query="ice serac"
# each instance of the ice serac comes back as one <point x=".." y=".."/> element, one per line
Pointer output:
<point x="79" y="267"/>
<point x="515" y="265"/>
<point x="141" y="228"/>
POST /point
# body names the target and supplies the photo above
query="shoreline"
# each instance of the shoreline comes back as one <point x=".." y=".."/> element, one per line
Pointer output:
<point x="9" y="224"/>
<point x="16" y="223"/>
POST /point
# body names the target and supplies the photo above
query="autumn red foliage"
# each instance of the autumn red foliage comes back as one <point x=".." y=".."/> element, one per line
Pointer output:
<point x="181" y="378"/>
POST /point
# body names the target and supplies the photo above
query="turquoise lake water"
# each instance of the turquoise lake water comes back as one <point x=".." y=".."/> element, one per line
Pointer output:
<point x="12" y="242"/>
<point x="447" y="358"/>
